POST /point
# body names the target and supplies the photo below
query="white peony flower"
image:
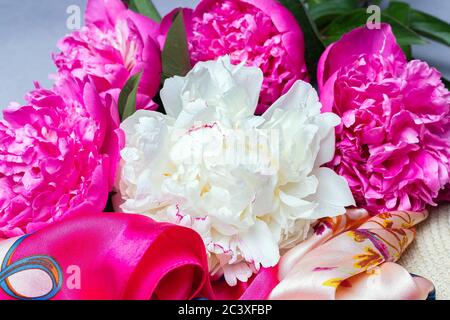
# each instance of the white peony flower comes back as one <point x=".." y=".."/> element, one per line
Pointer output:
<point x="249" y="185"/>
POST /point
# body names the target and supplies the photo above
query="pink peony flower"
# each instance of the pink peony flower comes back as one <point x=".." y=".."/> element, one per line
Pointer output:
<point x="393" y="146"/>
<point x="261" y="33"/>
<point x="116" y="43"/>
<point x="58" y="156"/>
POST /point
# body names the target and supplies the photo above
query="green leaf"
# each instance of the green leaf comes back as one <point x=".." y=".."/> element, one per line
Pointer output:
<point x="357" y="18"/>
<point x="430" y="27"/>
<point x="371" y="2"/>
<point x="404" y="35"/>
<point x="175" y="56"/>
<point x="314" y="2"/>
<point x="401" y="12"/>
<point x="446" y="83"/>
<point x="144" y="7"/>
<point x="407" y="50"/>
<point x="326" y="8"/>
<point x="128" y="97"/>
<point x="323" y="11"/>
<point x="313" y="44"/>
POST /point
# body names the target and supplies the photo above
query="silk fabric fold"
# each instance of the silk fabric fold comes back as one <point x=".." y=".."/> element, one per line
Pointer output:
<point x="352" y="257"/>
<point x="105" y="256"/>
<point x="122" y="256"/>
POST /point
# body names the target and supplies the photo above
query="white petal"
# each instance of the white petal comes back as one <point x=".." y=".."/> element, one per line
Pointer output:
<point x="232" y="90"/>
<point x="234" y="272"/>
<point x="128" y="125"/>
<point x="258" y="245"/>
<point x="333" y="194"/>
<point x="249" y="81"/>
<point x="303" y="188"/>
<point x="301" y="96"/>
<point x="171" y="96"/>
<point x="327" y="122"/>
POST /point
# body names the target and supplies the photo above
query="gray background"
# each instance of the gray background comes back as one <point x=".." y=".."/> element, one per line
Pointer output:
<point x="29" y="30"/>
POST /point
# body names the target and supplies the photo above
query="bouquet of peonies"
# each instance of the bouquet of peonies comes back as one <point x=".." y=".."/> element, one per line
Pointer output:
<point x="234" y="177"/>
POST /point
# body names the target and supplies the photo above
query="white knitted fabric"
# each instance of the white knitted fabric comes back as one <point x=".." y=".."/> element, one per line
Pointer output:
<point x="429" y="254"/>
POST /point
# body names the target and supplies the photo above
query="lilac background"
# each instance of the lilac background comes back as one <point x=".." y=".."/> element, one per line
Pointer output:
<point x="29" y="30"/>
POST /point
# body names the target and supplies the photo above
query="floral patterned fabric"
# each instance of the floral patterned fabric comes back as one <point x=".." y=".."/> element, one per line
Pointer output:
<point x="352" y="257"/>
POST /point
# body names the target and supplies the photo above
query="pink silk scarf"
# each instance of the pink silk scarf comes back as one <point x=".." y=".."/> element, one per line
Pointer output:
<point x="123" y="256"/>
<point x="105" y="256"/>
<point x="352" y="257"/>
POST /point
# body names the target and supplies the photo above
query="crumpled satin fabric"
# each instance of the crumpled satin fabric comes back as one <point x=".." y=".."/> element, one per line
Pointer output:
<point x="353" y="257"/>
<point x="105" y="256"/>
<point x="122" y="256"/>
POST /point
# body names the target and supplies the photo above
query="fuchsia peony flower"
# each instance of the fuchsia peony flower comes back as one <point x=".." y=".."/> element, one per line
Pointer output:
<point x="58" y="156"/>
<point x="394" y="144"/>
<point x="261" y="33"/>
<point x="116" y="43"/>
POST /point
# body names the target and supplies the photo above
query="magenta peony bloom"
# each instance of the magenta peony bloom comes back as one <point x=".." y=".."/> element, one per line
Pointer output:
<point x="116" y="43"/>
<point x="58" y="156"/>
<point x="393" y="146"/>
<point x="261" y="33"/>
